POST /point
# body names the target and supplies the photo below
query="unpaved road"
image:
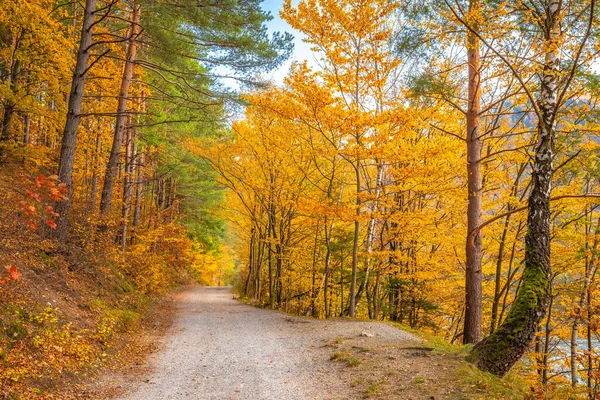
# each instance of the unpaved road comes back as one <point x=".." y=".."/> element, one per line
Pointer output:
<point x="221" y="349"/>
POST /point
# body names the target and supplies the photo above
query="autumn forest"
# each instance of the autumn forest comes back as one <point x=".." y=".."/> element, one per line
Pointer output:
<point x="437" y="166"/>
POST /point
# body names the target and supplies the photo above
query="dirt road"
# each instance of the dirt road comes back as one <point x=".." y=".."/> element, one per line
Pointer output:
<point x="220" y="349"/>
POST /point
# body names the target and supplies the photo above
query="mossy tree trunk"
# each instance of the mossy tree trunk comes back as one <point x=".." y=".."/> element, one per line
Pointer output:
<point x="502" y="349"/>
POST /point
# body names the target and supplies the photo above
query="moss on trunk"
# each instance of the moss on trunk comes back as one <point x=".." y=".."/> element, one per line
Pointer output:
<point x="501" y="350"/>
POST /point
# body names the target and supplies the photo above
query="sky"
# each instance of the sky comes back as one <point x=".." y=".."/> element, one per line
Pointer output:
<point x="301" y="50"/>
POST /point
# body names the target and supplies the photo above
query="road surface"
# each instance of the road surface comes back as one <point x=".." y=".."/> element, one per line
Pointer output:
<point x="221" y="349"/>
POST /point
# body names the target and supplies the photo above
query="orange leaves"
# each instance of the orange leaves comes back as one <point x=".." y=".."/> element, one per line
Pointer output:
<point x="39" y="194"/>
<point x="10" y="274"/>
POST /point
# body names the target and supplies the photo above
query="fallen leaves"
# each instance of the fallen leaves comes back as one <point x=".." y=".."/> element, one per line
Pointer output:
<point x="11" y="274"/>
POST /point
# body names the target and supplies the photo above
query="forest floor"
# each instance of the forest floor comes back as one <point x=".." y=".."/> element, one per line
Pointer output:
<point x="221" y="349"/>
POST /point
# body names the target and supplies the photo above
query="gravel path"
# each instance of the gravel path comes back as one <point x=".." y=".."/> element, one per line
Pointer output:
<point x="221" y="349"/>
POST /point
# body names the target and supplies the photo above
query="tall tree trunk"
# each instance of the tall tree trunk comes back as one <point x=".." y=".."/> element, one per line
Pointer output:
<point x="376" y="299"/>
<point x="473" y="276"/>
<point x="313" y="292"/>
<point x="69" y="139"/>
<point x="498" y="289"/>
<point x="591" y="268"/>
<point x="501" y="350"/>
<point x="547" y="336"/>
<point x="95" y="167"/>
<point x="371" y="232"/>
<point x="498" y="280"/>
<point x="352" y="294"/>
<point x="590" y="366"/>
<point x="26" y="129"/>
<point x="127" y="186"/>
<point x="328" y="231"/>
<point x="251" y="262"/>
<point x="10" y="106"/>
<point x="328" y="227"/>
<point x="113" y="161"/>
<point x="139" y="192"/>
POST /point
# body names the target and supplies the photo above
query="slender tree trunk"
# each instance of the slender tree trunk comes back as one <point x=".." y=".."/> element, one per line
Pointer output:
<point x="313" y="291"/>
<point x="371" y="232"/>
<point x="341" y="284"/>
<point x="139" y="192"/>
<point x="259" y="256"/>
<point x="127" y="186"/>
<point x="547" y="336"/>
<point x="328" y="230"/>
<point x="270" y="266"/>
<point x="498" y="289"/>
<point x="473" y="276"/>
<point x="10" y="106"/>
<point x="69" y="139"/>
<point x="352" y="294"/>
<point x="26" y="129"/>
<point x="376" y="299"/>
<point x="113" y="161"/>
<point x="538" y="351"/>
<point x="251" y="261"/>
<point x="501" y="350"/>
<point x="590" y="349"/>
<point x="498" y="280"/>
<point x="590" y="273"/>
<point x="95" y="166"/>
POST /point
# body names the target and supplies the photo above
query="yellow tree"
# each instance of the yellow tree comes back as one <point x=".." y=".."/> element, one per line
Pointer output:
<point x="358" y="66"/>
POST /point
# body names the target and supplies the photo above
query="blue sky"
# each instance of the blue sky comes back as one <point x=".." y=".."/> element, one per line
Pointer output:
<point x="301" y="50"/>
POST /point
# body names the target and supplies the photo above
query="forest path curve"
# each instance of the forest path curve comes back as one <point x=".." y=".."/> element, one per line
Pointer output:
<point x="219" y="349"/>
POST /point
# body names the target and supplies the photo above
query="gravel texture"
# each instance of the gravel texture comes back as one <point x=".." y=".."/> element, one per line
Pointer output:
<point x="221" y="349"/>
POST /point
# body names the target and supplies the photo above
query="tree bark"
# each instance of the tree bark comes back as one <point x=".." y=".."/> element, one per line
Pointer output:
<point x="69" y="140"/>
<point x="127" y="186"/>
<point x="498" y="290"/>
<point x="139" y="192"/>
<point x="113" y="161"/>
<point x="590" y="274"/>
<point x="371" y="232"/>
<point x="328" y="228"/>
<point x="352" y="294"/>
<point x="473" y="276"/>
<point x="501" y="350"/>
<point x="10" y="107"/>
<point x="26" y="130"/>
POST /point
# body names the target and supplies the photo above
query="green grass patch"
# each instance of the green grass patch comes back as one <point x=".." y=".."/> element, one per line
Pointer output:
<point x="511" y="386"/>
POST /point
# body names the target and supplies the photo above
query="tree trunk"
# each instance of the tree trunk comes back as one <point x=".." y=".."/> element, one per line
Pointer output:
<point x="501" y="350"/>
<point x="473" y="276"/>
<point x="10" y="107"/>
<point x="328" y="229"/>
<point x="139" y="192"/>
<point x="591" y="268"/>
<point x="26" y="129"/>
<point x="95" y="167"/>
<point x="352" y="294"/>
<point x="113" y="161"/>
<point x="313" y="291"/>
<point x="547" y="336"/>
<point x="69" y="140"/>
<point x="498" y="289"/>
<point x="371" y="232"/>
<point x="590" y="349"/>
<point x="127" y="186"/>
<point x="376" y="294"/>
